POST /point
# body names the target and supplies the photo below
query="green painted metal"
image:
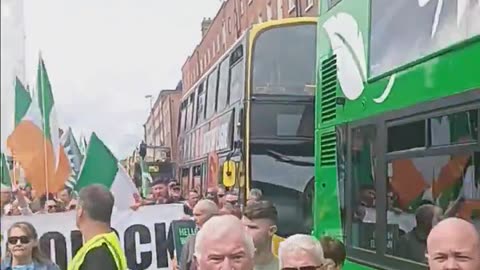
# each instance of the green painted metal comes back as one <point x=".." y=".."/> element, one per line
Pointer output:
<point x="447" y="72"/>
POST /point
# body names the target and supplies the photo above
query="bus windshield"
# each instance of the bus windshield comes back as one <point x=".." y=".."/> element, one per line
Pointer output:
<point x="284" y="61"/>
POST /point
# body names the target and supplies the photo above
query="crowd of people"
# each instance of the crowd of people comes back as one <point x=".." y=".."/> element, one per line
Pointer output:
<point x="228" y="236"/>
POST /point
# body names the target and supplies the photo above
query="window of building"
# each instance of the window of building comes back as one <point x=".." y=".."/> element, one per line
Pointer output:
<point x="309" y="5"/>
<point x="260" y="19"/>
<point x="223" y="85"/>
<point x="218" y="43"/>
<point x="200" y="104"/>
<point x="237" y="74"/>
<point x="229" y="24"/>
<point x="212" y="93"/>
<point x="332" y="3"/>
<point x="191" y="121"/>
<point x="291" y="5"/>
<point x="279" y="9"/>
<point x="242" y="7"/>
<point x="269" y="11"/>
<point x="250" y="2"/>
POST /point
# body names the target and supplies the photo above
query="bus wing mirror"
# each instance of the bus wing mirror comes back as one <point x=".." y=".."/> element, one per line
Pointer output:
<point x="229" y="173"/>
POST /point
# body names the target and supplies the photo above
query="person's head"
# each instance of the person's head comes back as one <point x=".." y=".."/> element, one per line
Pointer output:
<point x="367" y="196"/>
<point x="260" y="220"/>
<point x="427" y="216"/>
<point x="175" y="192"/>
<point x="203" y="211"/>
<point x="223" y="243"/>
<point x="22" y="243"/>
<point x="212" y="194"/>
<point x="301" y="250"/>
<point x="94" y="205"/>
<point x="221" y="196"/>
<point x="335" y="250"/>
<point x="453" y="244"/>
<point x="231" y="197"/>
<point x="255" y="194"/>
<point x="193" y="198"/>
<point x="51" y="206"/>
<point x="64" y="196"/>
<point x="160" y="189"/>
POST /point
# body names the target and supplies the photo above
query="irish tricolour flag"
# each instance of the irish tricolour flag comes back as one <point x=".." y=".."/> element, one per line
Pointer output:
<point x="101" y="167"/>
<point x="35" y="142"/>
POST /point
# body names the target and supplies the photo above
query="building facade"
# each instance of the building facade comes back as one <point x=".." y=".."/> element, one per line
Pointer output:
<point x="161" y="127"/>
<point x="232" y="19"/>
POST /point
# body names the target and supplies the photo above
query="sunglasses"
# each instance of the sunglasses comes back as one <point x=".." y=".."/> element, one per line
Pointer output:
<point x="13" y="240"/>
<point x="220" y="195"/>
<point x="304" y="268"/>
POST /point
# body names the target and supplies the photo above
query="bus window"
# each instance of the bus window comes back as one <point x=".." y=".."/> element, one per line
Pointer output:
<point x="282" y="120"/>
<point x="223" y="85"/>
<point x="363" y="188"/>
<point x="237" y="81"/>
<point x="212" y="93"/>
<point x="455" y="128"/>
<point x="185" y="180"/>
<point x="280" y="66"/>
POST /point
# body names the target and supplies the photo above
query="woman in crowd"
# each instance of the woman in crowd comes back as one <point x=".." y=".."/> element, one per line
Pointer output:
<point x="23" y="251"/>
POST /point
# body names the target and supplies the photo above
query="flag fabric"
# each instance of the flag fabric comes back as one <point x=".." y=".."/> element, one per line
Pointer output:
<point x="6" y="181"/>
<point x="82" y="145"/>
<point x="22" y="101"/>
<point x="35" y="142"/>
<point x="101" y="167"/>
<point x="146" y="178"/>
<point x="74" y="155"/>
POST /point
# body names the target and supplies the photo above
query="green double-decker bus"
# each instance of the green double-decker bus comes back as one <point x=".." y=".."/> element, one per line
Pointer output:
<point x="397" y="124"/>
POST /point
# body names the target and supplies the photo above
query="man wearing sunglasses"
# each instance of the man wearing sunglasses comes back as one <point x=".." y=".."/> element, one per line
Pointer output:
<point x="302" y="252"/>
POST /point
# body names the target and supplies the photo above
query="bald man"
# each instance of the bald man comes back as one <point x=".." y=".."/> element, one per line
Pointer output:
<point x="223" y="243"/>
<point x="453" y="244"/>
<point x="202" y="212"/>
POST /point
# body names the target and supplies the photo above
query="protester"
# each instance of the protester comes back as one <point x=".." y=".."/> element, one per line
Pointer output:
<point x="223" y="243"/>
<point x="303" y="251"/>
<point x="102" y="249"/>
<point x="64" y="198"/>
<point x="453" y="244"/>
<point x="212" y="195"/>
<point x="413" y="245"/>
<point x="335" y="250"/>
<point x="232" y="197"/>
<point x="5" y="197"/>
<point x="159" y="193"/>
<point x="260" y="219"/>
<point x="192" y="200"/>
<point x="23" y="251"/>
<point x="202" y="212"/>
<point x="221" y="196"/>
<point x="175" y="193"/>
<point x="254" y="195"/>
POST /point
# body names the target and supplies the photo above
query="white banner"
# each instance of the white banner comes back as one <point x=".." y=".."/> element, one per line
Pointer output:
<point x="143" y="234"/>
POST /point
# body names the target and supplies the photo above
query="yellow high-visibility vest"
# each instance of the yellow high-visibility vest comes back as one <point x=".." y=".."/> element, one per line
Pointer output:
<point x="111" y="241"/>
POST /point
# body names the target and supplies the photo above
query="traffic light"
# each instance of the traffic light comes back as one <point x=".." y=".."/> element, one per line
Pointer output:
<point x="143" y="150"/>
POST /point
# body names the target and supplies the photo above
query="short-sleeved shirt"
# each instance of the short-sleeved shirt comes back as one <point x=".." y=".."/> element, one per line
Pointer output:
<point x="99" y="258"/>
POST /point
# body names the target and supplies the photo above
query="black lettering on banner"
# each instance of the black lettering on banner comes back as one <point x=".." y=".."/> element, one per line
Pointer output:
<point x="77" y="241"/>
<point x="131" y="249"/>
<point x="161" y="245"/>
<point x="60" y="247"/>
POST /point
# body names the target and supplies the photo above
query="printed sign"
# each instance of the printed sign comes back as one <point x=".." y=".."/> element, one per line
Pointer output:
<point x="182" y="229"/>
<point x="142" y="233"/>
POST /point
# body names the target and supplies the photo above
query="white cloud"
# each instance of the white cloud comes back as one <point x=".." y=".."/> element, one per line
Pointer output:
<point x="103" y="57"/>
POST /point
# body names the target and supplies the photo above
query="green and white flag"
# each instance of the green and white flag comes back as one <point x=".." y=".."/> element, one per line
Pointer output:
<point x="101" y="167"/>
<point x="6" y="181"/>
<point x="75" y="156"/>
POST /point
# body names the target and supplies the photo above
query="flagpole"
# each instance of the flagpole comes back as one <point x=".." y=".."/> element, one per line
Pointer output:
<point x="44" y="124"/>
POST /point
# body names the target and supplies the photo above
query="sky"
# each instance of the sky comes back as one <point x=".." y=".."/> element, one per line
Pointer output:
<point x="104" y="57"/>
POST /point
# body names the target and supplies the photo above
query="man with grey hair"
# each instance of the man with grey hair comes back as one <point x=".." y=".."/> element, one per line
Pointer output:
<point x="254" y="195"/>
<point x="223" y="243"/>
<point x="202" y="212"/>
<point x="453" y="244"/>
<point x="301" y="251"/>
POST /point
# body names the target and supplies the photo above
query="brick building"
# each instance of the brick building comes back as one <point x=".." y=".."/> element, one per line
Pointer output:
<point x="161" y="126"/>
<point x="232" y="19"/>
